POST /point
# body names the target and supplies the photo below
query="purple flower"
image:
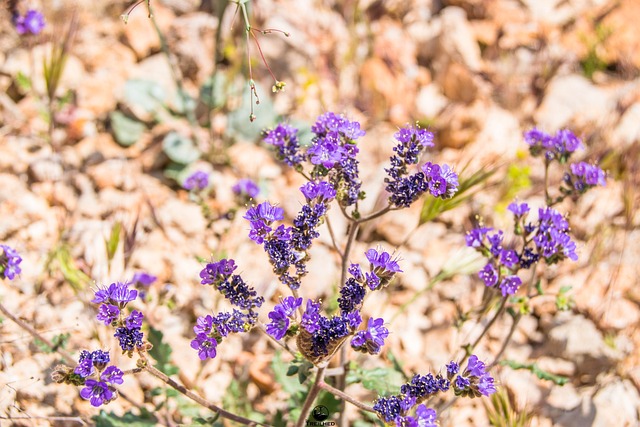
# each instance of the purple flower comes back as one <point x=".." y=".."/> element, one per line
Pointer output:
<point x="85" y="364"/>
<point x="265" y="213"/>
<point x="144" y="279"/>
<point x="489" y="275"/>
<point x="116" y="294"/>
<point x="100" y="359"/>
<point x="9" y="262"/>
<point x="462" y="382"/>
<point x="452" y="368"/>
<point x="510" y="285"/>
<point x="203" y="325"/>
<point x="32" y="22"/>
<point x="509" y="258"/>
<point x="331" y="122"/>
<point x="388" y="408"/>
<point x="129" y="338"/>
<point x="326" y="151"/>
<point x="321" y="190"/>
<point x="518" y="209"/>
<point x="485" y="385"/>
<point x="382" y="263"/>
<point x="205" y="345"/>
<point x="289" y="305"/>
<point x="356" y="272"/>
<point x="351" y="296"/>
<point x="414" y="135"/>
<point x="134" y="320"/>
<point x="371" y="339"/>
<point x="198" y="180"/>
<point x="560" y="146"/>
<point x="426" y="417"/>
<point x="475" y="237"/>
<point x="311" y="317"/>
<point x="216" y="272"/>
<point x="284" y="138"/>
<point x="112" y="375"/>
<point x="475" y="367"/>
<point x="97" y="392"/>
<point x="108" y="313"/>
<point x="246" y="187"/>
<point x="279" y="323"/>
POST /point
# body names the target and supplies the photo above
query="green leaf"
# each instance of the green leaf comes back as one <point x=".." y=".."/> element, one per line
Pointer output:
<point x="381" y="380"/>
<point x="148" y="95"/>
<point x="114" y="240"/>
<point x="58" y="341"/>
<point x="213" y="91"/>
<point x="23" y="82"/>
<point x="126" y="131"/>
<point x="290" y="385"/>
<point x="180" y="149"/>
<point x="105" y="419"/>
<point x="161" y="352"/>
<point x="434" y="206"/>
<point x="61" y="256"/>
<point x="543" y="375"/>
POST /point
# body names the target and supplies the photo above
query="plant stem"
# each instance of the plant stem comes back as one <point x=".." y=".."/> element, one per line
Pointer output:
<point x="516" y="320"/>
<point x="66" y="356"/>
<point x="191" y="395"/>
<point x="498" y="313"/>
<point x="311" y="397"/>
<point x="342" y="395"/>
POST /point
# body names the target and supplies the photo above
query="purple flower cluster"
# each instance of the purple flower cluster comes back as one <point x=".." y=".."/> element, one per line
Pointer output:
<point x="31" y="23"/>
<point x="197" y="181"/>
<point x="583" y="177"/>
<point x="9" y="262"/>
<point x="555" y="147"/>
<point x="210" y="330"/>
<point x="320" y="335"/>
<point x="285" y="138"/>
<point x="246" y="189"/>
<point x="98" y="378"/>
<point x="333" y="153"/>
<point x="474" y="381"/>
<point x="404" y="189"/>
<point x="113" y="300"/>
<point x="547" y="239"/>
<point x="287" y="246"/>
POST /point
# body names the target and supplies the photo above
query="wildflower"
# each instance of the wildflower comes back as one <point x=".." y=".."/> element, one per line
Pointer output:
<point x="558" y="147"/>
<point x="474" y="381"/>
<point x="383" y="266"/>
<point x="9" y="262"/>
<point x="583" y="177"/>
<point x="489" y="275"/>
<point x="134" y="320"/>
<point x="117" y="294"/>
<point x="216" y="272"/>
<point x="279" y="323"/>
<point x="518" y="209"/>
<point x="321" y="190"/>
<point x="108" y="314"/>
<point x="129" y="338"/>
<point x="97" y="392"/>
<point x="426" y="417"/>
<point x="246" y="188"/>
<point x="371" y="339"/>
<point x="509" y="285"/>
<point x="509" y="258"/>
<point x="311" y="316"/>
<point x="284" y="138"/>
<point x="351" y="296"/>
<point x="475" y="237"/>
<point x="552" y="239"/>
<point x="198" y="180"/>
<point x="31" y="23"/>
<point x="144" y="279"/>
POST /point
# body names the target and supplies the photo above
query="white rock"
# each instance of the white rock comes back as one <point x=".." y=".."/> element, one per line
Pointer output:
<point x="430" y="101"/>
<point x="456" y="38"/>
<point x="628" y="129"/>
<point x="617" y="405"/>
<point x="573" y="97"/>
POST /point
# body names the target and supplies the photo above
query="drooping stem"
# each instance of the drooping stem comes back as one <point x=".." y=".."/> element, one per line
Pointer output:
<point x="311" y="397"/>
<point x="196" y="398"/>
<point x="498" y="313"/>
<point x="66" y="356"/>
<point x="342" y="395"/>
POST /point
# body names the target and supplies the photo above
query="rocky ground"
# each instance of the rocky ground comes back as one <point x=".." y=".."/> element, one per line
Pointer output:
<point x="479" y="72"/>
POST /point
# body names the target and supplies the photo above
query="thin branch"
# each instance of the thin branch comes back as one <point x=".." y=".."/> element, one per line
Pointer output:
<point x="342" y="395"/>
<point x="191" y="395"/>
<point x="65" y="419"/>
<point x="311" y="397"/>
<point x="498" y="313"/>
<point x="66" y="356"/>
<point x="283" y="345"/>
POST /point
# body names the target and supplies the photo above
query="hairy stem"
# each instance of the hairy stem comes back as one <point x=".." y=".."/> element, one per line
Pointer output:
<point x="311" y="397"/>
<point x="342" y="395"/>
<point x="196" y="398"/>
